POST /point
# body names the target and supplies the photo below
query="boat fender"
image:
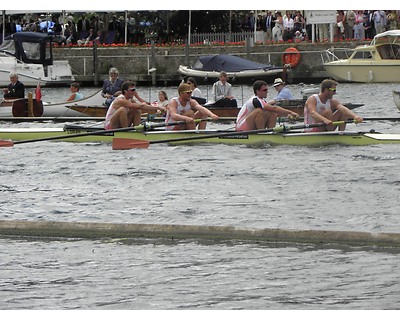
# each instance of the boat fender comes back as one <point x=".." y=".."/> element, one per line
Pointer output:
<point x="291" y="56"/>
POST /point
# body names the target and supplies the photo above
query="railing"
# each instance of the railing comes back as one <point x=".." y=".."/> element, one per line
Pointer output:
<point x="335" y="54"/>
<point x="210" y="38"/>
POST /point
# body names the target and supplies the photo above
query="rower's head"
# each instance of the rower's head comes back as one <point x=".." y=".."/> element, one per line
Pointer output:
<point x="329" y="86"/>
<point x="260" y="88"/>
<point x="185" y="90"/>
<point x="128" y="86"/>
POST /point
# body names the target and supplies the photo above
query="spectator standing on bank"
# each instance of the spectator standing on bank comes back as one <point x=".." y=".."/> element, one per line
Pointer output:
<point x="277" y="30"/>
<point x="269" y="23"/>
<point x="367" y="28"/>
<point x="358" y="26"/>
<point x="288" y="25"/>
<point x="379" y="21"/>
<point x="350" y="19"/>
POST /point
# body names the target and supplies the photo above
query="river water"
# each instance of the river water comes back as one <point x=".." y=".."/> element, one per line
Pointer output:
<point x="302" y="188"/>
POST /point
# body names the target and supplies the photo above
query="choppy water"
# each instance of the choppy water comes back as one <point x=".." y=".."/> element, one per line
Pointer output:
<point x="328" y="188"/>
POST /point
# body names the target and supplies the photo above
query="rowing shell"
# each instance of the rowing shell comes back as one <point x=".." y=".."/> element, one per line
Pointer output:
<point x="295" y="138"/>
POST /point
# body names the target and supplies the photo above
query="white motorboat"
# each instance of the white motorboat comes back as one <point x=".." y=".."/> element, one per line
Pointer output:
<point x="377" y="62"/>
<point x="19" y="107"/>
<point x="30" y="55"/>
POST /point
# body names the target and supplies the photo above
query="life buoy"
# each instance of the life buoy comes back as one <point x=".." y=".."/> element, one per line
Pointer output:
<point x="291" y="57"/>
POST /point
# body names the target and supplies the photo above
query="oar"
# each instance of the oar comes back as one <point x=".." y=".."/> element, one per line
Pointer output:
<point x="142" y="127"/>
<point x="284" y="119"/>
<point x="126" y="143"/>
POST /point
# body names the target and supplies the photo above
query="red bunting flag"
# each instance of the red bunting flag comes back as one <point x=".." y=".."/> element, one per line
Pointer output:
<point x="38" y="93"/>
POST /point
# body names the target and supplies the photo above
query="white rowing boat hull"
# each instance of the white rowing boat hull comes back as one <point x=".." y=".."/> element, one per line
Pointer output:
<point x="62" y="109"/>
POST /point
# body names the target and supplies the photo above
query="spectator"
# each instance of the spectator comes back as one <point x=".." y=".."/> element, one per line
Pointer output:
<point x="339" y="27"/>
<point x="288" y="25"/>
<point x="283" y="92"/>
<point x="379" y="21"/>
<point x="269" y="23"/>
<point x="368" y="31"/>
<point x="75" y="94"/>
<point x="112" y="86"/>
<point x="350" y="18"/>
<point x="277" y="30"/>
<point x="222" y="92"/>
<point x="15" y="89"/>
<point x="88" y="40"/>
<point x="358" y="26"/>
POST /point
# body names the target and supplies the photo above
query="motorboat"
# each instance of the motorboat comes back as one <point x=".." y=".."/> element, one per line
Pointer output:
<point x="30" y="55"/>
<point x="376" y="62"/>
<point x="210" y="66"/>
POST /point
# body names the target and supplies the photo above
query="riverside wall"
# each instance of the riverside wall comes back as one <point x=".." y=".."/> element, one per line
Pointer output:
<point x="90" y="65"/>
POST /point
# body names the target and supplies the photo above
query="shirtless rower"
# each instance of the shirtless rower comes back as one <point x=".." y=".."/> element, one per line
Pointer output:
<point x="184" y="108"/>
<point x="324" y="108"/>
<point x="124" y="111"/>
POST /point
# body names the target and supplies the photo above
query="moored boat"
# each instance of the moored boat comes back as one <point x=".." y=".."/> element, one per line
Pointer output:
<point x="207" y="136"/>
<point x="30" y="55"/>
<point x="209" y="66"/>
<point x="10" y="108"/>
<point x="377" y="62"/>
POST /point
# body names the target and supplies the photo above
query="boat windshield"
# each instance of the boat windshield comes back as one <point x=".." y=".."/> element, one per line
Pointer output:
<point x="31" y="50"/>
<point x="362" y="55"/>
<point x="389" y="51"/>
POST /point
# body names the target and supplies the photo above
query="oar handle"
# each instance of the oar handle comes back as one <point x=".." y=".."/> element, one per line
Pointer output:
<point x="149" y="126"/>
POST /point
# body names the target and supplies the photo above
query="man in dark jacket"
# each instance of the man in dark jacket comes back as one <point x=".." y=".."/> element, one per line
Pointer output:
<point x="15" y="89"/>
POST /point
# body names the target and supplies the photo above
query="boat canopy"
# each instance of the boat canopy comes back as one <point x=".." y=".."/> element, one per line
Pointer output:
<point x="227" y="63"/>
<point x="390" y="36"/>
<point x="29" y="47"/>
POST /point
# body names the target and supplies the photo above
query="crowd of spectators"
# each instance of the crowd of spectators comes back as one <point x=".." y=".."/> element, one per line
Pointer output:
<point x="80" y="30"/>
<point x="291" y="25"/>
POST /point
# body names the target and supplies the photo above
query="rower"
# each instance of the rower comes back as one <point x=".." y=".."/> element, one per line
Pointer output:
<point x="324" y="108"/>
<point x="257" y="113"/>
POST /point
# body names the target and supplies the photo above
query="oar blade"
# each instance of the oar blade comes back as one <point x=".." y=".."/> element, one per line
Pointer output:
<point x="6" y="143"/>
<point x="126" y="143"/>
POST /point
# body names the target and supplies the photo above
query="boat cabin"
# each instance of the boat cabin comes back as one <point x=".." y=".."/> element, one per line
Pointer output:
<point x="29" y="47"/>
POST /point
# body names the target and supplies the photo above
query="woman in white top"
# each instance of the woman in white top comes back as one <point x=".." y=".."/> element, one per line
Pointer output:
<point x="196" y="91"/>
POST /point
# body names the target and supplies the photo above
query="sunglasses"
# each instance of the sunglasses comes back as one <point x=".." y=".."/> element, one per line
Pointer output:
<point x="132" y="89"/>
<point x="187" y="91"/>
<point x="332" y="89"/>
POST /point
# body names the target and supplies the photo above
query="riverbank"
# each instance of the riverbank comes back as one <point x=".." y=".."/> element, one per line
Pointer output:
<point x="90" y="65"/>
